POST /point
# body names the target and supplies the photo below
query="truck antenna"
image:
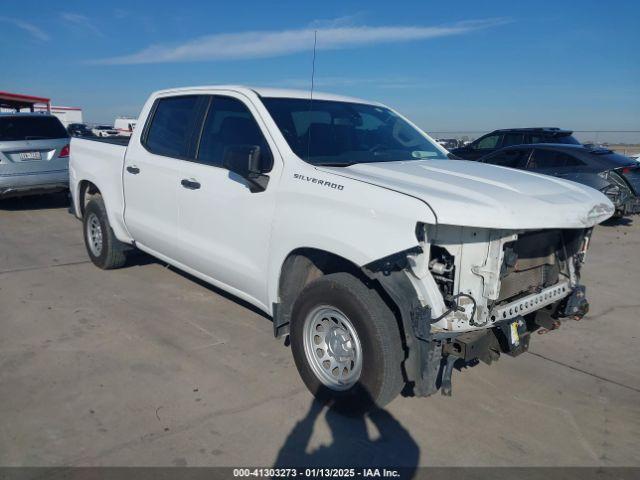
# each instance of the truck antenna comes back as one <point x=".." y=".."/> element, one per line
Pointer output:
<point x="313" y="74"/>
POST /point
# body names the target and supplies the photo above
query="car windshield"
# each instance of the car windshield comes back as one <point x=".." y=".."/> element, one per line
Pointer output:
<point x="31" y="127"/>
<point x="337" y="133"/>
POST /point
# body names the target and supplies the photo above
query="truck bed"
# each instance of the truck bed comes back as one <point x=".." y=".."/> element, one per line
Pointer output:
<point x="121" y="140"/>
<point x="99" y="161"/>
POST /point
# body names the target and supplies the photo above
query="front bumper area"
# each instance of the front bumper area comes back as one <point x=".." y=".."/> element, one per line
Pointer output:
<point x="531" y="303"/>
<point x="630" y="207"/>
<point x="15" y="185"/>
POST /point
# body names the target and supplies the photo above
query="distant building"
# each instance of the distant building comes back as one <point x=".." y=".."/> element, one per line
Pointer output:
<point x="66" y="115"/>
<point x="17" y="102"/>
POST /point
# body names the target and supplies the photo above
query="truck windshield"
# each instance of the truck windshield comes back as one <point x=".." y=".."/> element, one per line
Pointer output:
<point x="337" y="133"/>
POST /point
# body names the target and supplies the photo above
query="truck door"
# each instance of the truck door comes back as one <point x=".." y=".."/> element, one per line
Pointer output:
<point x="152" y="172"/>
<point x="224" y="226"/>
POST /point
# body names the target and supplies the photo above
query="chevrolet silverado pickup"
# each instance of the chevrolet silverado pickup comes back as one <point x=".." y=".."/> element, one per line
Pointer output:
<point x="384" y="261"/>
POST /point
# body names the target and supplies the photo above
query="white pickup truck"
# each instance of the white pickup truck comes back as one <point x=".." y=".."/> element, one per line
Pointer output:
<point x="385" y="261"/>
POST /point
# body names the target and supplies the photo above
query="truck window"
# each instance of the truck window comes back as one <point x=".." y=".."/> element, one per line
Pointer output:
<point x="228" y="123"/>
<point x="169" y="132"/>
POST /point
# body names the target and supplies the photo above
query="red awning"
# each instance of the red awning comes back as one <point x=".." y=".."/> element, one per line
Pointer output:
<point x="18" y="101"/>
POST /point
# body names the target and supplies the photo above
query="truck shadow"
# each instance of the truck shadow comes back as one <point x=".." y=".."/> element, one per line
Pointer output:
<point x="35" y="202"/>
<point x="351" y="445"/>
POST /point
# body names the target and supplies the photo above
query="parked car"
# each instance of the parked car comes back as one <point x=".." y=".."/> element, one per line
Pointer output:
<point x="384" y="262"/>
<point x="613" y="174"/>
<point x="448" y="143"/>
<point x="79" y="130"/>
<point x="125" y="125"/>
<point x="513" y="136"/>
<point x="105" y="131"/>
<point x="34" y="154"/>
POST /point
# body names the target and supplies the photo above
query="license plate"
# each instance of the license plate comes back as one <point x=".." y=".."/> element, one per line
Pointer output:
<point x="30" y="156"/>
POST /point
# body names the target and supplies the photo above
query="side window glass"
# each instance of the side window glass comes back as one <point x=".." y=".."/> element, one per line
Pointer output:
<point x="489" y="142"/>
<point x="543" y="159"/>
<point x="229" y="123"/>
<point x="566" y="160"/>
<point x="512" y="139"/>
<point x="510" y="158"/>
<point x="169" y="133"/>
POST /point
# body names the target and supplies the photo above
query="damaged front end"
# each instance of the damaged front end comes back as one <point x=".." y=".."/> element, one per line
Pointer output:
<point x="470" y="294"/>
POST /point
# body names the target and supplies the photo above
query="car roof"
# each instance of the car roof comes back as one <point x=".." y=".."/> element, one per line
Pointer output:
<point x="598" y="153"/>
<point x="268" y="92"/>
<point x="550" y="130"/>
<point x="551" y="146"/>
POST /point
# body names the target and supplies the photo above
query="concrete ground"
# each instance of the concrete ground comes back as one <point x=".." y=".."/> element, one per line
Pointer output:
<point x="146" y="366"/>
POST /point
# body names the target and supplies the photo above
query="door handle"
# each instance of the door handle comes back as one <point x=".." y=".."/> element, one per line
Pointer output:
<point x="133" y="169"/>
<point x="190" y="184"/>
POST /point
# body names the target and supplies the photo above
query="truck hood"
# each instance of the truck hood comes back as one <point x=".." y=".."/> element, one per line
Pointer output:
<point x="488" y="196"/>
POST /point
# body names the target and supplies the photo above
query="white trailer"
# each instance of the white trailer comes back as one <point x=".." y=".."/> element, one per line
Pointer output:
<point x="125" y="125"/>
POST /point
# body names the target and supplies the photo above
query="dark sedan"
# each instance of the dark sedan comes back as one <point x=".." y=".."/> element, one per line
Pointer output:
<point x="615" y="175"/>
<point x="506" y="137"/>
<point x="79" y="130"/>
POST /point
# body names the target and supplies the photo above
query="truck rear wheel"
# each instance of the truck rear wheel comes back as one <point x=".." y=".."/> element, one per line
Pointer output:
<point x="104" y="249"/>
<point x="346" y="343"/>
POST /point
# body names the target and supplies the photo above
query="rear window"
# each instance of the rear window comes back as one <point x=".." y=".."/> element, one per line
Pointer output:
<point x="30" y="128"/>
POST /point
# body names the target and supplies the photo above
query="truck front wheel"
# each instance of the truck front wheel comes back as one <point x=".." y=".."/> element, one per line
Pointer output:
<point x="346" y="343"/>
<point x="104" y="249"/>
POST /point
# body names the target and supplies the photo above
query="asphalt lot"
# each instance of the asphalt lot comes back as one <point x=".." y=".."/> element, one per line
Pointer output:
<point x="146" y="366"/>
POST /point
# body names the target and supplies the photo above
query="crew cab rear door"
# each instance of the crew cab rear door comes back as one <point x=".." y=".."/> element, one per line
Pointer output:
<point x="153" y="171"/>
<point x="224" y="225"/>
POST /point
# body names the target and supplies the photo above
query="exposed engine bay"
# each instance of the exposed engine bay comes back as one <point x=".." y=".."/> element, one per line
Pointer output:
<point x="489" y="276"/>
<point x="483" y="292"/>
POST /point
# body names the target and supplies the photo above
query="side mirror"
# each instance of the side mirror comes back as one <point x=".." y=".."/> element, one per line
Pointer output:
<point x="249" y="162"/>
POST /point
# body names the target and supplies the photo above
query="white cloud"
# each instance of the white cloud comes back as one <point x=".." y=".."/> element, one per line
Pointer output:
<point x="264" y="44"/>
<point x="30" y="28"/>
<point x="81" y="21"/>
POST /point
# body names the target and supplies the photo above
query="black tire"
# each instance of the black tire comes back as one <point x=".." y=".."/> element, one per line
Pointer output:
<point x="381" y="378"/>
<point x="112" y="253"/>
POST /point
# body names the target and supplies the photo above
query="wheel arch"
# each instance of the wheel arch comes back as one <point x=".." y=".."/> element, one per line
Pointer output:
<point x="302" y="266"/>
<point x="86" y="189"/>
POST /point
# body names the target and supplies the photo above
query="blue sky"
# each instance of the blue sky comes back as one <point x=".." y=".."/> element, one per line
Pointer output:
<point x="447" y="65"/>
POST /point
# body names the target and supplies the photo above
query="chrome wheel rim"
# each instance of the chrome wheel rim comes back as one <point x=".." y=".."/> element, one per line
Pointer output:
<point x="94" y="234"/>
<point x="332" y="348"/>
